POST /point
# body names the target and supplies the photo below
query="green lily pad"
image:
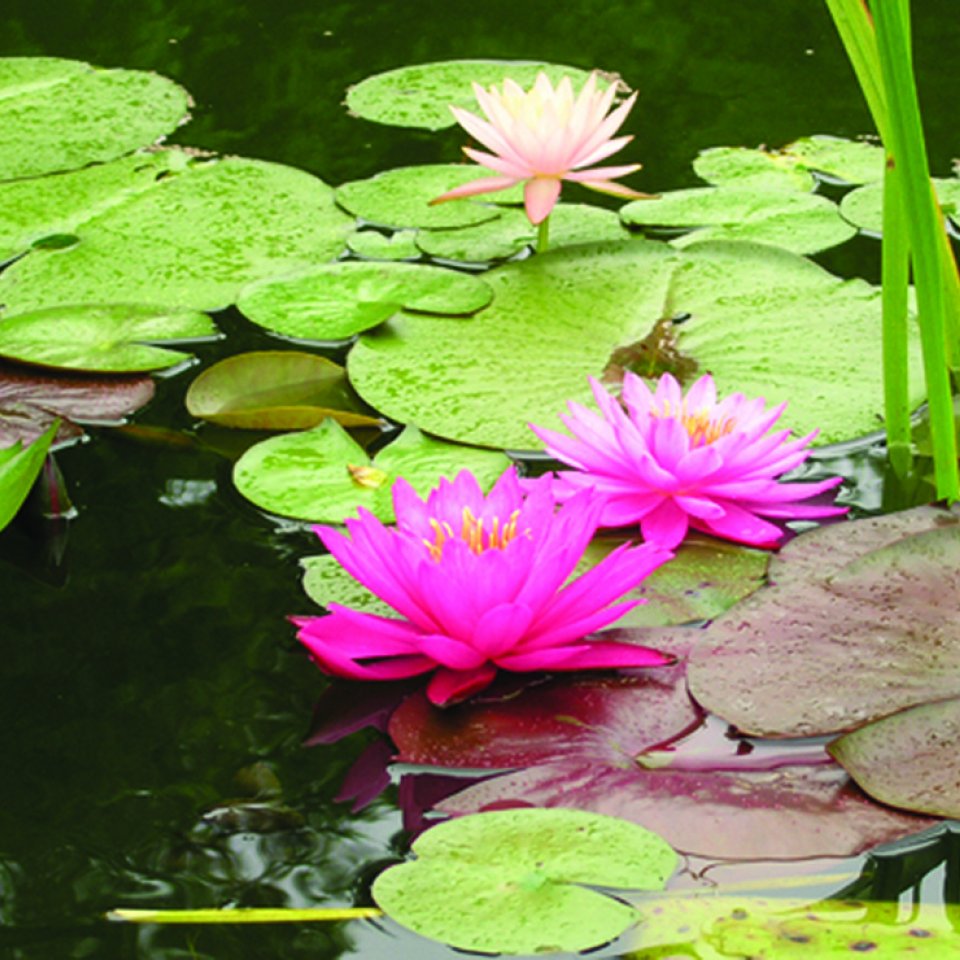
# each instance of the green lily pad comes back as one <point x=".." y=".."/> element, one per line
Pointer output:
<point x="752" y="168"/>
<point x="323" y="474"/>
<point x="64" y="114"/>
<point x="799" y="222"/>
<point x="512" y="881"/>
<point x="36" y="210"/>
<point x="851" y="161"/>
<point x="761" y="320"/>
<point x="401" y="197"/>
<point x="19" y="467"/>
<point x="326" y="582"/>
<point x="863" y="207"/>
<point x="275" y="390"/>
<point x="909" y="759"/>
<point x="374" y="245"/>
<point x="191" y="241"/>
<point x="512" y="232"/>
<point x="338" y="300"/>
<point x="421" y="95"/>
<point x="105" y="338"/>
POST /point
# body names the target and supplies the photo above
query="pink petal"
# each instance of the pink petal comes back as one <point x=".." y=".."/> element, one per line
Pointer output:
<point x="482" y="185"/>
<point x="539" y="196"/>
<point x="666" y="525"/>
<point x="452" y="686"/>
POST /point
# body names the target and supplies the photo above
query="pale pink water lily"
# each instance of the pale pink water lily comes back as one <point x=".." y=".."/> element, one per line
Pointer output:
<point x="479" y="583"/>
<point x="670" y="462"/>
<point x="543" y="136"/>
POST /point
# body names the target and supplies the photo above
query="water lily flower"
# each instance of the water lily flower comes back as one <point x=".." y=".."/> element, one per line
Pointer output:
<point x="479" y="583"/>
<point x="543" y="136"/>
<point x="670" y="462"/>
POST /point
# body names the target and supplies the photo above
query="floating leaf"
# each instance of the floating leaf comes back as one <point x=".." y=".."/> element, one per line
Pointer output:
<point x="30" y="400"/>
<point x="795" y="221"/>
<point x="513" y="881"/>
<point x="908" y="760"/>
<point x="420" y="95"/>
<point x="374" y="245"/>
<point x="275" y="390"/>
<point x="19" y="467"/>
<point x="307" y="475"/>
<point x="338" y="300"/>
<point x="104" y="338"/>
<point x="874" y="630"/>
<point x="764" y="322"/>
<point x="326" y="582"/>
<point x="64" y="114"/>
<point x="191" y="241"/>
<point x="753" y="168"/>
<point x="851" y="161"/>
<point x="511" y="233"/>
<point x="863" y="207"/>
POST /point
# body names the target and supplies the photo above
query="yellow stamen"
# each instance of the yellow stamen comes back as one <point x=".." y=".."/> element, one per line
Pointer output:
<point x="700" y="427"/>
<point x="472" y="533"/>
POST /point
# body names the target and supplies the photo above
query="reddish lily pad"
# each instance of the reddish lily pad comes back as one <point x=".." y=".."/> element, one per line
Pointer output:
<point x="30" y="400"/>
<point x="863" y="637"/>
<point x="910" y="759"/>
<point x="275" y="390"/>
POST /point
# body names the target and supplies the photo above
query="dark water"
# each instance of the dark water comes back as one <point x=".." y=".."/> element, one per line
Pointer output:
<point x="148" y="674"/>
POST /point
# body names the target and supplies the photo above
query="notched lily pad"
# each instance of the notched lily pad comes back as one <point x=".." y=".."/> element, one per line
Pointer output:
<point x="336" y="301"/>
<point x="63" y="114"/>
<point x="514" y="881"/>
<point x="275" y="390"/>
<point x="323" y="474"/>
<point x="863" y="207"/>
<point x="108" y="338"/>
<point x="420" y="95"/>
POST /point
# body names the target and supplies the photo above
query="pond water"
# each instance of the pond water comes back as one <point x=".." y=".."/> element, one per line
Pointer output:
<point x="150" y="679"/>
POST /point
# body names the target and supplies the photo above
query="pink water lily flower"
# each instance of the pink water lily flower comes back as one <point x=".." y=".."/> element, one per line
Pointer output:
<point x="478" y="584"/>
<point x="670" y="462"/>
<point x="543" y="136"/>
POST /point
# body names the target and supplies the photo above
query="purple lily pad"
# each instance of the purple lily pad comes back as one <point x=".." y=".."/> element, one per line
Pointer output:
<point x="870" y="628"/>
<point x="785" y="814"/>
<point x="585" y="717"/>
<point x="910" y="759"/>
<point x="31" y="400"/>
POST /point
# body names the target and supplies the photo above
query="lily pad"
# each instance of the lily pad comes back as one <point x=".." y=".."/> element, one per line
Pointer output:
<point x="275" y="390"/>
<point x="752" y="168"/>
<point x="850" y="161"/>
<point x="31" y="400"/>
<point x="111" y="338"/>
<point x="64" y="114"/>
<point x="908" y="760"/>
<point x="326" y="582"/>
<point x="338" y="300"/>
<point x="863" y="207"/>
<point x="795" y="221"/>
<point x="513" y="881"/>
<point x="420" y="95"/>
<point x="763" y="321"/>
<point x="374" y="245"/>
<point x="834" y="648"/>
<point x="191" y="241"/>
<point x="324" y="475"/>
<point x="19" y="467"/>
<point x="512" y="233"/>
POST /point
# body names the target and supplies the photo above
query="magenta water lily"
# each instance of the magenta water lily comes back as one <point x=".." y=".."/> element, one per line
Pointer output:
<point x="670" y="461"/>
<point x="543" y="136"/>
<point x="479" y="583"/>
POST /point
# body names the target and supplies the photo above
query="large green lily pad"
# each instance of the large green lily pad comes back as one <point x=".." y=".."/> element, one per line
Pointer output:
<point x="19" y="466"/>
<point x="374" y="245"/>
<point x="323" y="474"/>
<point x="193" y="240"/>
<point x="863" y="207"/>
<point x="909" y="759"/>
<point x="513" y="881"/>
<point x="799" y="222"/>
<point x="420" y="95"/>
<point x="63" y="114"/>
<point x="763" y="321"/>
<point x="275" y="390"/>
<point x="338" y="300"/>
<point x="106" y="338"/>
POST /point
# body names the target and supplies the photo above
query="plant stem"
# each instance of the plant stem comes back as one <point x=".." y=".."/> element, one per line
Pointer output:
<point x="543" y="235"/>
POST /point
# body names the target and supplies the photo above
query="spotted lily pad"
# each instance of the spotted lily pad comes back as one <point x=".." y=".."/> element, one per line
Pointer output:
<point x="850" y="161"/>
<point x="192" y="240"/>
<point x="517" y="881"/>
<point x="64" y="114"/>
<point x="420" y="95"/>
<point x="909" y="759"/>
<point x="275" y="390"/>
<point x="863" y="207"/>
<point x="374" y="245"/>
<point x="19" y="467"/>
<point x="324" y="475"/>
<point x="869" y="628"/>
<point x="112" y="338"/>
<point x="338" y="300"/>
<point x="795" y="221"/>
